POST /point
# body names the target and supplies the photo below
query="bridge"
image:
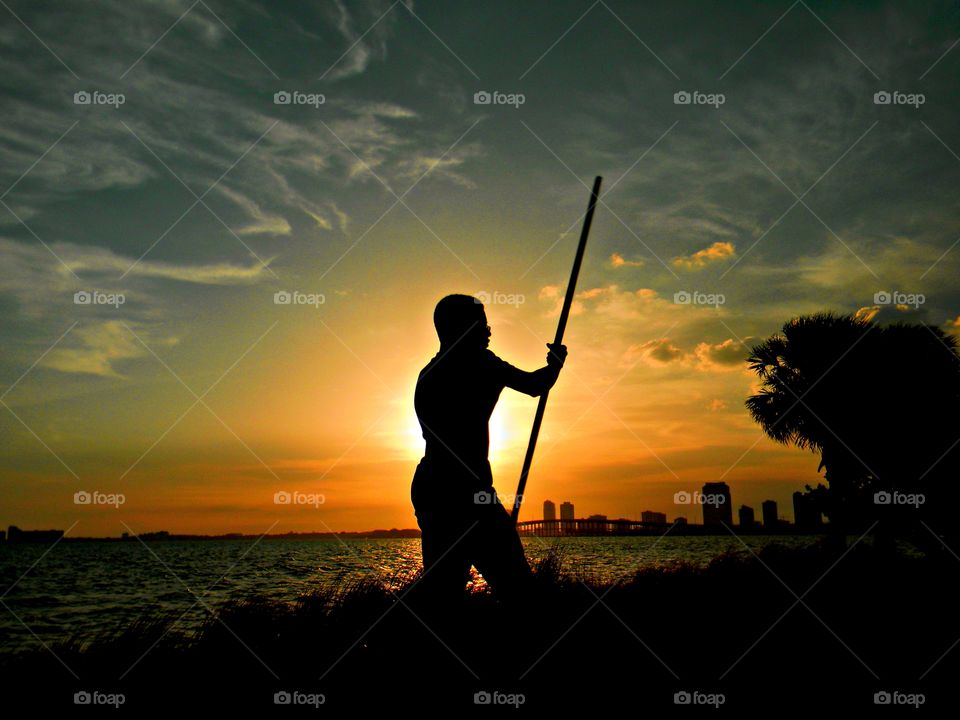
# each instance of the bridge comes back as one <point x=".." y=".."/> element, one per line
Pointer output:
<point x="558" y="528"/>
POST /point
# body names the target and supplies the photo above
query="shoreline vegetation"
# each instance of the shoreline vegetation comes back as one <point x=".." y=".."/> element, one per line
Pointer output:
<point x="824" y="625"/>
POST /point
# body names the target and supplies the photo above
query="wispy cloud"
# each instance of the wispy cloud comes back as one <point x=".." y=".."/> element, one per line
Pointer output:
<point x="97" y="349"/>
<point x="701" y="258"/>
<point x="263" y="223"/>
<point x="618" y="261"/>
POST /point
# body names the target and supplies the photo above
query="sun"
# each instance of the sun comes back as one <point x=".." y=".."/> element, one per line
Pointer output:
<point x="501" y="437"/>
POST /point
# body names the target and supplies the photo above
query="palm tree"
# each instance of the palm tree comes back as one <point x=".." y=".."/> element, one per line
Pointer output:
<point x="879" y="404"/>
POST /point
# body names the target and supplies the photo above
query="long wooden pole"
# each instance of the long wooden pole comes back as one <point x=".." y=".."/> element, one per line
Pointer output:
<point x="558" y="339"/>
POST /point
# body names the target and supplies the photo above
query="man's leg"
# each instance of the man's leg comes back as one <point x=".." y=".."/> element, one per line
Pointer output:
<point x="498" y="555"/>
<point x="446" y="569"/>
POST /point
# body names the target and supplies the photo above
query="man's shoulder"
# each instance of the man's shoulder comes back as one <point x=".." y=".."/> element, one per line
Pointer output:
<point x="441" y="364"/>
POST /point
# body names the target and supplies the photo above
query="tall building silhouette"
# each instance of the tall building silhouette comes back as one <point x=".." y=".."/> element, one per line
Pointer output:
<point x="747" y="517"/>
<point x="770" y="513"/>
<point x="566" y="517"/>
<point x="721" y="509"/>
<point x="651" y="516"/>
<point x="549" y="510"/>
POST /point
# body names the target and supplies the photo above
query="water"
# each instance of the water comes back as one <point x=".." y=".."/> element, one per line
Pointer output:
<point x="87" y="588"/>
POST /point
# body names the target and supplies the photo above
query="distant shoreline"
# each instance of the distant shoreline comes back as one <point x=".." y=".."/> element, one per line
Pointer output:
<point x="414" y="533"/>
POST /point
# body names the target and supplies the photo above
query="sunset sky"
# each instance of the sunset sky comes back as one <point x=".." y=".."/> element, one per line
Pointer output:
<point x="199" y="198"/>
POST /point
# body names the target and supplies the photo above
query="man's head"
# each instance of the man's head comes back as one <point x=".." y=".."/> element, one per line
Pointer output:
<point x="461" y="319"/>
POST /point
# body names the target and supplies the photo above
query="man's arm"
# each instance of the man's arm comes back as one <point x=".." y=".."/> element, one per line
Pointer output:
<point x="539" y="381"/>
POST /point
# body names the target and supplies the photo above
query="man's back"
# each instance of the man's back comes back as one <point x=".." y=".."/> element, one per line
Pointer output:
<point x="455" y="396"/>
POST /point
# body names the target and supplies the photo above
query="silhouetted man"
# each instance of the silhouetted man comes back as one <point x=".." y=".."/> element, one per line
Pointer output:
<point x="462" y="522"/>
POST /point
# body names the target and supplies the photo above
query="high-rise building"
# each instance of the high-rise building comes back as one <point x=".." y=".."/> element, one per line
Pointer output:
<point x="566" y="511"/>
<point x="770" y="513"/>
<point x="649" y="516"/>
<point x="747" y="517"/>
<point x="549" y="510"/>
<point x="717" y="505"/>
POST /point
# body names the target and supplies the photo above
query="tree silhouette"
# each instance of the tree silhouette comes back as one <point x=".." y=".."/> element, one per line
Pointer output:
<point x="879" y="404"/>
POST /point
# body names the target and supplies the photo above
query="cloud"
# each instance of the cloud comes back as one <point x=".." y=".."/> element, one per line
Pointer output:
<point x="94" y="349"/>
<point x="41" y="283"/>
<point x="343" y="220"/>
<point x="617" y="260"/>
<point x="421" y="165"/>
<point x="701" y="258"/>
<point x="604" y="300"/>
<point x="320" y="220"/>
<point x="711" y="357"/>
<point x="882" y="314"/>
<point x="264" y="223"/>
<point x="727" y="355"/>
<point x="655" y="352"/>
<point x="102" y="261"/>
<point x="369" y="42"/>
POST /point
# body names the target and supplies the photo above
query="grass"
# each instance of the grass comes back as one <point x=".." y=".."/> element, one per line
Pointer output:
<point x="872" y="620"/>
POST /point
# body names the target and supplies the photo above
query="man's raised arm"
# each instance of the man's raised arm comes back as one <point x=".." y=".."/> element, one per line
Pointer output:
<point x="539" y="381"/>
